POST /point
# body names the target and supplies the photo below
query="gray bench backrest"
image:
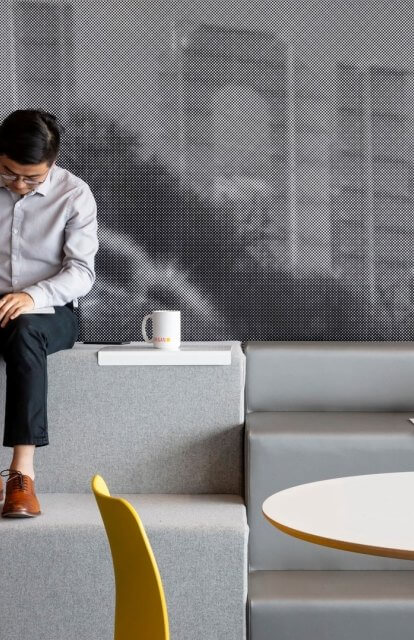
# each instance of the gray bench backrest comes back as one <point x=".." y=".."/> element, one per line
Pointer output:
<point x="329" y="376"/>
<point x="145" y="429"/>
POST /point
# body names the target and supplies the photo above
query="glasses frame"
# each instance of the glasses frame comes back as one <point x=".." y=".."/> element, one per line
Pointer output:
<point x="12" y="177"/>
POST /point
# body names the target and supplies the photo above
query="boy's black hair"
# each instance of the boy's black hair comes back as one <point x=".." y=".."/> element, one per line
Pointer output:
<point x="30" y="136"/>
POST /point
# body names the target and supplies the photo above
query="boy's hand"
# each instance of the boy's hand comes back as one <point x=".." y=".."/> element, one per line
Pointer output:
<point x="12" y="304"/>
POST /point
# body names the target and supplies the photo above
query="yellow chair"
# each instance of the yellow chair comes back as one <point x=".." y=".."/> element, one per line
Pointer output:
<point x="140" y="607"/>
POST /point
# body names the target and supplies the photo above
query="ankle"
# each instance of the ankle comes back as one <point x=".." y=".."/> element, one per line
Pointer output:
<point x="26" y="471"/>
<point x="22" y="459"/>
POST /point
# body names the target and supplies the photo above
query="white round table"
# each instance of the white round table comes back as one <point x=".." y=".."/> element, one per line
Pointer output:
<point x="371" y="514"/>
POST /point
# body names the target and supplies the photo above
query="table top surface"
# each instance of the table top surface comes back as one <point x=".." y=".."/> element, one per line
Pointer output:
<point x="371" y="514"/>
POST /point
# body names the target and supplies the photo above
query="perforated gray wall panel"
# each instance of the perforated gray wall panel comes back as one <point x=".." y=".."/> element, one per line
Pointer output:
<point x="252" y="162"/>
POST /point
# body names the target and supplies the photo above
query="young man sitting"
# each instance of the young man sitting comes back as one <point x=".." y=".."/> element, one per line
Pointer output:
<point x="48" y="242"/>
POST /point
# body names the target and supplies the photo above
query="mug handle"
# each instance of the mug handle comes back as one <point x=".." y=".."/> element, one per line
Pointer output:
<point x="144" y="329"/>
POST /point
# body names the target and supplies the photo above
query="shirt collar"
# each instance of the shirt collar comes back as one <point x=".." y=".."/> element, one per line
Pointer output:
<point x="44" y="186"/>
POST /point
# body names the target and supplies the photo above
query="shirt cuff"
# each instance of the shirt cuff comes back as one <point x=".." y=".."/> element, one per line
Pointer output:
<point x="38" y="295"/>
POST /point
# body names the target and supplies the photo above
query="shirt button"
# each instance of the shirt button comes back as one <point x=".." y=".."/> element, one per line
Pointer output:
<point x="13" y="256"/>
<point x="15" y="231"/>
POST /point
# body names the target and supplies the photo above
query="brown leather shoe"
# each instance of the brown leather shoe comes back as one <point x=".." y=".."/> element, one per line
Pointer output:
<point x="21" y="500"/>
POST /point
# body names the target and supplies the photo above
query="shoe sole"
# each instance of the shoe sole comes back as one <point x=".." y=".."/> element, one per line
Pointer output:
<point x="20" y="514"/>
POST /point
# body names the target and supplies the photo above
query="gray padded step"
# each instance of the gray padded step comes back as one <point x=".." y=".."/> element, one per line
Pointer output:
<point x="284" y="449"/>
<point x="148" y="429"/>
<point x="56" y="579"/>
<point x="331" y="605"/>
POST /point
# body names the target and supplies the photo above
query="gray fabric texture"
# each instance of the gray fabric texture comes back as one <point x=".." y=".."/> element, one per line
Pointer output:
<point x="284" y="449"/>
<point x="145" y="429"/>
<point x="56" y="577"/>
<point x="331" y="605"/>
<point x="330" y="376"/>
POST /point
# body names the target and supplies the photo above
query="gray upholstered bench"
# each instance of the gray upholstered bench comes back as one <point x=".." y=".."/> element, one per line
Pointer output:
<point x="170" y="440"/>
<point x="331" y="605"/>
<point x="315" y="411"/>
<point x="57" y="577"/>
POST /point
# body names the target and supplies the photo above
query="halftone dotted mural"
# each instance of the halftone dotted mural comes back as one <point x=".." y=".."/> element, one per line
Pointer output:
<point x="265" y="193"/>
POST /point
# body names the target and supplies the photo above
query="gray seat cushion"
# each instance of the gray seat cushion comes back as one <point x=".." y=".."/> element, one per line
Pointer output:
<point x="56" y="578"/>
<point x="331" y="605"/>
<point x="284" y="449"/>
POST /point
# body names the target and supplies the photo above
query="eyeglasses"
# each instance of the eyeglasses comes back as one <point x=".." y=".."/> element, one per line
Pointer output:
<point x="10" y="178"/>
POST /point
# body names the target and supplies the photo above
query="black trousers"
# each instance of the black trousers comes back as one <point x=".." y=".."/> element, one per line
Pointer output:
<point x="25" y="343"/>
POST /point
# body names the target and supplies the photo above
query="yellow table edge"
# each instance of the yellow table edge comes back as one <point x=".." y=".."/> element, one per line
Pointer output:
<point x="342" y="544"/>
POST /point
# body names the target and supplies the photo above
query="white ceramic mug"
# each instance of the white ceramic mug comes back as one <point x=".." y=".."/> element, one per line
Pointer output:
<point x="166" y="329"/>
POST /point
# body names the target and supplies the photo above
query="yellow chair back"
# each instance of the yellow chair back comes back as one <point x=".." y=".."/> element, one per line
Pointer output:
<point x="140" y="606"/>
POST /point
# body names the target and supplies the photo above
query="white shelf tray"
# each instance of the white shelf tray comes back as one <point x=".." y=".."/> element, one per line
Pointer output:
<point x="190" y="353"/>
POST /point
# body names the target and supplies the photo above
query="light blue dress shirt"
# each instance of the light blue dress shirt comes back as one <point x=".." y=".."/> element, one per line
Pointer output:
<point x="48" y="239"/>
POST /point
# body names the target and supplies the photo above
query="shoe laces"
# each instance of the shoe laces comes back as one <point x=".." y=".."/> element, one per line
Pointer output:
<point x="15" y="473"/>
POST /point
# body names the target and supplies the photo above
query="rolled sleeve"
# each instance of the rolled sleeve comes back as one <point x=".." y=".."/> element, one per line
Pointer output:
<point x="77" y="275"/>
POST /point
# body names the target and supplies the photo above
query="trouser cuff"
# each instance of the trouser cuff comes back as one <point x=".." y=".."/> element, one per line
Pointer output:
<point x="39" y="442"/>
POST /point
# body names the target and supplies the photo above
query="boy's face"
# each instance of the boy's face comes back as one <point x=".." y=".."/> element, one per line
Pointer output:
<point x="37" y="172"/>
